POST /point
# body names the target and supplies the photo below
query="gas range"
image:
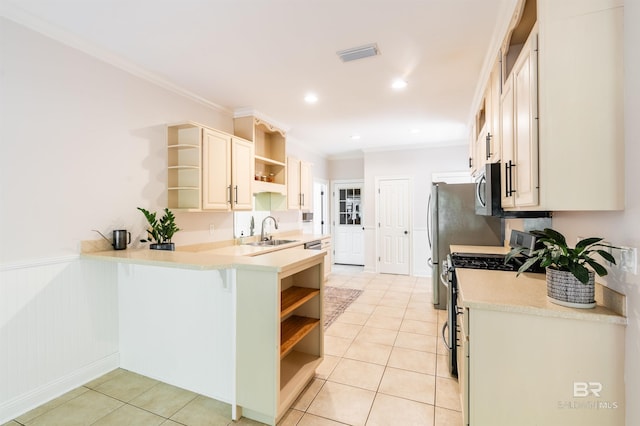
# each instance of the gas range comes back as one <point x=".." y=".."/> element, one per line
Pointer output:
<point x="487" y="261"/>
<point x="494" y="262"/>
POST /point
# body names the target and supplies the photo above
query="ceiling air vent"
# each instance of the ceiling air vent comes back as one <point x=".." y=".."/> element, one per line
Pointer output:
<point x="359" y="52"/>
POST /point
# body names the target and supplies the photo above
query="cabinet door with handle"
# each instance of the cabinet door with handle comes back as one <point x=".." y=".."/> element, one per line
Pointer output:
<point x="525" y="73"/>
<point x="216" y="171"/>
<point x="242" y="167"/>
<point x="519" y="137"/>
<point x="506" y="177"/>
<point x="306" y="186"/>
<point x="294" y="199"/>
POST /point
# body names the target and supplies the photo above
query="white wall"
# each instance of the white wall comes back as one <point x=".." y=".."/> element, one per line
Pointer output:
<point x="346" y="168"/>
<point x="83" y="144"/>
<point x="417" y="164"/>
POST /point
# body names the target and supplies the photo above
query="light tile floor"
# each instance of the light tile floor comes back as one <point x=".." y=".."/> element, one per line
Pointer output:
<point x="384" y="365"/>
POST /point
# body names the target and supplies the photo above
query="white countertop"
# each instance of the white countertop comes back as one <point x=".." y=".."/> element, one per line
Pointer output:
<point x="527" y="294"/>
<point x="209" y="256"/>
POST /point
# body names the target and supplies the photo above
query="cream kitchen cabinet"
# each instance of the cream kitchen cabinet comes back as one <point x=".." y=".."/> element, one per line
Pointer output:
<point x="519" y="175"/>
<point x="280" y="336"/>
<point x="184" y="167"/>
<point x="299" y="184"/>
<point x="568" y="142"/>
<point x="492" y="151"/>
<point x="208" y="169"/>
<point x="485" y="141"/>
<point x="270" y="153"/>
<point x="227" y="172"/>
<point x="526" y="361"/>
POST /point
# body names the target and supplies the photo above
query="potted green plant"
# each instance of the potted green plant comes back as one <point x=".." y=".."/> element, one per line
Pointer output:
<point x="161" y="230"/>
<point x="570" y="272"/>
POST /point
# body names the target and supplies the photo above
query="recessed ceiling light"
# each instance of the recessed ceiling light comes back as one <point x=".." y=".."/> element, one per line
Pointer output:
<point x="415" y="131"/>
<point x="355" y="137"/>
<point x="399" y="84"/>
<point x="311" y="98"/>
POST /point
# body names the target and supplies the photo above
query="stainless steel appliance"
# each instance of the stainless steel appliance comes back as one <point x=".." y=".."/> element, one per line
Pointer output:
<point x="488" y="199"/>
<point x="313" y="245"/>
<point x="452" y="220"/>
<point x="488" y="202"/>
<point x="451" y="329"/>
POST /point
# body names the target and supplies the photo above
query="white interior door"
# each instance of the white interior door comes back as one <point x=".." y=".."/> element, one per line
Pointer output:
<point x="394" y="226"/>
<point x="348" y="226"/>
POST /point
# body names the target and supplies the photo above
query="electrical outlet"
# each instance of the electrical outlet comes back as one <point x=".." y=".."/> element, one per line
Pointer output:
<point x="629" y="260"/>
<point x="211" y="229"/>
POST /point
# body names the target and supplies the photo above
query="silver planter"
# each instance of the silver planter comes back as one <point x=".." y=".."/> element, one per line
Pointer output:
<point x="566" y="290"/>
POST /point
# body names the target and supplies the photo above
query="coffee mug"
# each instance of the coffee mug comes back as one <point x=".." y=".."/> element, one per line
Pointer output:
<point x="121" y="237"/>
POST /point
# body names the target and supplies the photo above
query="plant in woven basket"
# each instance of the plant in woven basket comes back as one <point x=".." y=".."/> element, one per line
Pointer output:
<point x="554" y="253"/>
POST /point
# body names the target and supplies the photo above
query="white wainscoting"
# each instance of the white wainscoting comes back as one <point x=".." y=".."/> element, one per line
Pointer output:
<point x="58" y="329"/>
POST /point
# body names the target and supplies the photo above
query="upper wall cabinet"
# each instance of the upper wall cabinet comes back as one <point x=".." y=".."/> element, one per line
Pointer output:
<point x="184" y="161"/>
<point x="299" y="185"/>
<point x="208" y="169"/>
<point x="520" y="131"/>
<point x="270" y="153"/>
<point x="565" y="127"/>
<point x="485" y="137"/>
<point x="227" y="172"/>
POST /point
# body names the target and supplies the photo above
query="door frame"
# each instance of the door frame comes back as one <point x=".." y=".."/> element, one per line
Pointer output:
<point x="409" y="180"/>
<point x="333" y="200"/>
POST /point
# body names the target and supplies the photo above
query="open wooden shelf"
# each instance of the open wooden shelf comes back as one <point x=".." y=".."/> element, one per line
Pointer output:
<point x="296" y="370"/>
<point x="293" y="297"/>
<point x="294" y="329"/>
<point x="269" y="161"/>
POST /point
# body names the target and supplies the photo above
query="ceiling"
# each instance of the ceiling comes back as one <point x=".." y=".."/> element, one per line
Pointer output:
<point x="266" y="55"/>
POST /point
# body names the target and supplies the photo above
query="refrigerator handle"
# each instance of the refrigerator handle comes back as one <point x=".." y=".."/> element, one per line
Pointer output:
<point x="429" y="224"/>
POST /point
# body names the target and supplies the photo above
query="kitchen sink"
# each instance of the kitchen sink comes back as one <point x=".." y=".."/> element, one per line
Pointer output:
<point x="269" y="243"/>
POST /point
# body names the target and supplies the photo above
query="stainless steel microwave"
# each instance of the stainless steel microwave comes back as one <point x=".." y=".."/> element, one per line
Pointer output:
<point x="488" y="199"/>
<point x="488" y="191"/>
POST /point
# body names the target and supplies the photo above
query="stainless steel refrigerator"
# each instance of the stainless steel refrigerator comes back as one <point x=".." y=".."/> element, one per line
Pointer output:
<point x="452" y="220"/>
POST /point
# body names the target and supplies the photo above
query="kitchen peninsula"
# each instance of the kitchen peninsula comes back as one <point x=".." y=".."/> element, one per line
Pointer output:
<point x="246" y="330"/>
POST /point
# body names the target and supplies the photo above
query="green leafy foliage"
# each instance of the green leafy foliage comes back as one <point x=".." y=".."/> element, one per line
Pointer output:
<point x="160" y="230"/>
<point x="555" y="253"/>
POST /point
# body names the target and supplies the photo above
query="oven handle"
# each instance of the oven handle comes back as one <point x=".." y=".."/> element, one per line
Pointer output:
<point x="479" y="195"/>
<point x="443" y="280"/>
<point x="444" y="335"/>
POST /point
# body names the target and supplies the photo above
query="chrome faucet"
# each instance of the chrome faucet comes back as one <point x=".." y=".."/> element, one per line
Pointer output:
<point x="275" y="222"/>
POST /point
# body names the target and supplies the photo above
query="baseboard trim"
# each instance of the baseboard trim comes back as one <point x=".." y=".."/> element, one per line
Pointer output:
<point x="21" y="404"/>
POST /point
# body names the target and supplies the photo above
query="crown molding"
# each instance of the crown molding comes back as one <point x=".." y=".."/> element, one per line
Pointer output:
<point x="12" y="12"/>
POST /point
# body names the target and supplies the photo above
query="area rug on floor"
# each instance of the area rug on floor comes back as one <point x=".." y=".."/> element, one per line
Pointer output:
<point x="336" y="300"/>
